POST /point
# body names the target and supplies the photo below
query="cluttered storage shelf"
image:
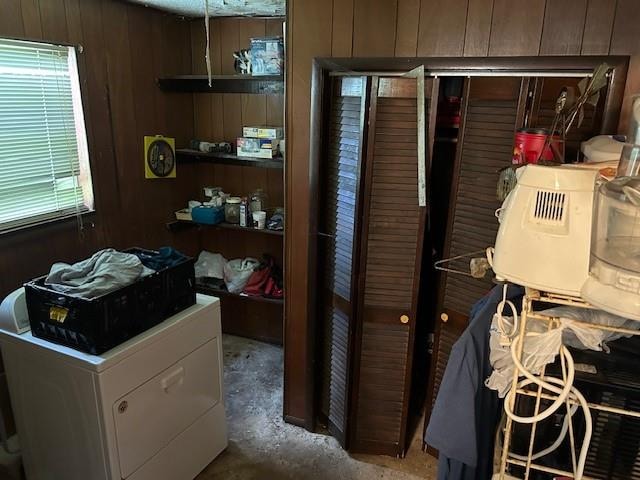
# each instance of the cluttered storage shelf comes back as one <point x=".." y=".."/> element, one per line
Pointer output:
<point x="265" y="84"/>
<point x="238" y="218"/>
<point x="187" y="155"/>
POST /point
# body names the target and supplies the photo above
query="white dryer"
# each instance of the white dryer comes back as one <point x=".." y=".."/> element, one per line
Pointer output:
<point x="149" y="409"/>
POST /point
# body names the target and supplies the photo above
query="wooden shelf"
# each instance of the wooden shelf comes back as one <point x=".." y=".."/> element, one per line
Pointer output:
<point x="217" y="292"/>
<point x="180" y="225"/>
<point x="266" y="85"/>
<point x="185" y="155"/>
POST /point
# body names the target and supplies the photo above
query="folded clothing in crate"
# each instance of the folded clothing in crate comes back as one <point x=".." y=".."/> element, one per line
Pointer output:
<point x="97" y="324"/>
<point x="165" y="257"/>
<point x="105" y="271"/>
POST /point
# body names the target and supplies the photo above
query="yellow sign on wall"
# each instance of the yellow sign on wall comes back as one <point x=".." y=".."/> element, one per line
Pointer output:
<point x="159" y="157"/>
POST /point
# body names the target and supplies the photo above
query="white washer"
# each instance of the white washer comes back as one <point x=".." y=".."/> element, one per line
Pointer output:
<point x="149" y="409"/>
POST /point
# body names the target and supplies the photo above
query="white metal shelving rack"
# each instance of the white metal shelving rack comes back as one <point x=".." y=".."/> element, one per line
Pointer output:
<point x="527" y="313"/>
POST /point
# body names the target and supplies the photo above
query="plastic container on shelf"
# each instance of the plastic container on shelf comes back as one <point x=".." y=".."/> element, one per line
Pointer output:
<point x="529" y="143"/>
<point x="208" y="215"/>
<point x="614" y="274"/>
<point x="99" y="324"/>
<point x="259" y="219"/>
<point x="232" y="210"/>
<point x="629" y="164"/>
<point x="258" y="200"/>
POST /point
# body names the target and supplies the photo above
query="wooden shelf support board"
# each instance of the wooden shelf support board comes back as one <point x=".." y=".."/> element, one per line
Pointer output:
<point x="266" y="85"/>
<point x="180" y="225"/>
<point x="226" y="294"/>
<point x="185" y="155"/>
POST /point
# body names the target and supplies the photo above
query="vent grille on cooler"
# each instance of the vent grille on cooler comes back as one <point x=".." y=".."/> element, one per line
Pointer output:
<point x="550" y="206"/>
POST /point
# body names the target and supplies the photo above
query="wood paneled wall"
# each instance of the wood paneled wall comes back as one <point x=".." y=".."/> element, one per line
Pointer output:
<point x="409" y="28"/>
<point x="125" y="48"/>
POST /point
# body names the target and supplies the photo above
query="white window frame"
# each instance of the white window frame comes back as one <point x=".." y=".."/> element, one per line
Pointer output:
<point x="83" y="178"/>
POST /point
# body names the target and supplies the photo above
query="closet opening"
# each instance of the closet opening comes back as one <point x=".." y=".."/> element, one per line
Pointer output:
<point x="386" y="318"/>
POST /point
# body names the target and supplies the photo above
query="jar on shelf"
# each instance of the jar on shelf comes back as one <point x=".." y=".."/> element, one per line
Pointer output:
<point x="232" y="210"/>
<point x="258" y="200"/>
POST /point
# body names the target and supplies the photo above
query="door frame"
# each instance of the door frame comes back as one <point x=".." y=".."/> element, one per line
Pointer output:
<point x="306" y="353"/>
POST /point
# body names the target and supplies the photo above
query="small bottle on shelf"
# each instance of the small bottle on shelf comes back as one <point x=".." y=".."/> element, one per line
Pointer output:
<point x="245" y="213"/>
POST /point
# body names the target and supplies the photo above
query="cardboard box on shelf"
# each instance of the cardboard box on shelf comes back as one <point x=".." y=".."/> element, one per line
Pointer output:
<point x="257" y="147"/>
<point x="263" y="132"/>
<point x="267" y="56"/>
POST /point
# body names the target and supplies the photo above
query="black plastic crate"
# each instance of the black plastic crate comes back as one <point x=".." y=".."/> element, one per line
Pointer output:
<point x="99" y="324"/>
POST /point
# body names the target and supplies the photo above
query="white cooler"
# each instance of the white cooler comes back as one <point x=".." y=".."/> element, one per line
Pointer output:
<point x="149" y="409"/>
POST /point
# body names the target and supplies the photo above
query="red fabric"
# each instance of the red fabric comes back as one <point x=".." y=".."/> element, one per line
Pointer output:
<point x="265" y="281"/>
<point x="257" y="282"/>
<point x="272" y="289"/>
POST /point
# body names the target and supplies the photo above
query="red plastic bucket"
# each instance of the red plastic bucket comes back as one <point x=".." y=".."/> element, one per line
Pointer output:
<point x="530" y="142"/>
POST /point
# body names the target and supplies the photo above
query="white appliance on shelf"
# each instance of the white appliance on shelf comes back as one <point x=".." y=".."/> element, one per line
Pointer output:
<point x="149" y="409"/>
<point x="614" y="277"/>
<point x="545" y="229"/>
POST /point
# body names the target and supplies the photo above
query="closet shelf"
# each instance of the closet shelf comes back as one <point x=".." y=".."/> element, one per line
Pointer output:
<point x="180" y="225"/>
<point x="267" y="85"/>
<point x="217" y="292"/>
<point x="185" y="155"/>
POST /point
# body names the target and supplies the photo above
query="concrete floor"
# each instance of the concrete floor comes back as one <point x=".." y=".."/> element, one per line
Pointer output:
<point x="263" y="447"/>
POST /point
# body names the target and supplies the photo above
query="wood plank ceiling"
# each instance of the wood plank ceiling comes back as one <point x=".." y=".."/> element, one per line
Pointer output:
<point x="219" y="8"/>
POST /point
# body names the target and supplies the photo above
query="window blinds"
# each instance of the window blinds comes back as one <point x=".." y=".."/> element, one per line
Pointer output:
<point x="43" y="154"/>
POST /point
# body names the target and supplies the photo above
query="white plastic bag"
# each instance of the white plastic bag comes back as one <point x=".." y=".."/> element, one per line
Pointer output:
<point x="237" y="273"/>
<point x="540" y="348"/>
<point x="210" y="265"/>
<point x="542" y="345"/>
<point x="580" y="336"/>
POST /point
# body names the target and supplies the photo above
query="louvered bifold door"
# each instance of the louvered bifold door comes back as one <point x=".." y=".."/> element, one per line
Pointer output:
<point x="391" y="256"/>
<point x="492" y="109"/>
<point x="338" y="220"/>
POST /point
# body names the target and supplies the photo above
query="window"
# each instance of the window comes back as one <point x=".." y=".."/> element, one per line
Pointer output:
<point x="44" y="160"/>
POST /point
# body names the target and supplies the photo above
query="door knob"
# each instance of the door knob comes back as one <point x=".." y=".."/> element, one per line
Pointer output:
<point x="444" y="317"/>
<point x="404" y="319"/>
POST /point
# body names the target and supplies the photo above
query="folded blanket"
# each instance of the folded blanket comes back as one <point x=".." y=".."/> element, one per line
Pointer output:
<point x="106" y="271"/>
